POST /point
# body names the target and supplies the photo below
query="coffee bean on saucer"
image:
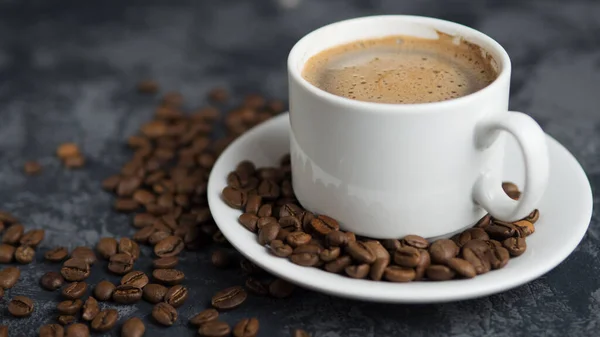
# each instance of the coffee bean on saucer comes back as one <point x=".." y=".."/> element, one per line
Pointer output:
<point x="121" y="263"/>
<point x="249" y="220"/>
<point x="253" y="204"/>
<point x="107" y="247"/>
<point x="24" y="254"/>
<point x="164" y="314"/>
<point x="133" y="327"/>
<point x="442" y="250"/>
<point x="281" y="288"/>
<point x="278" y="248"/>
<point x="305" y="259"/>
<point x="336" y="239"/>
<point x="77" y="330"/>
<point x="7" y="253"/>
<point x="204" y="317"/>
<point x="296" y="239"/>
<point x="471" y="234"/>
<point x="9" y="277"/>
<point x="338" y="265"/>
<point x="135" y="278"/>
<point x="168" y="262"/>
<point x="291" y="223"/>
<point x="84" y="253"/>
<point x="74" y="290"/>
<point x="268" y="233"/>
<point x="127" y="294"/>
<point x="247" y="327"/>
<point x="176" y="295"/>
<point x="415" y="241"/>
<point x="13" y="234"/>
<point x="358" y="271"/>
<point x="20" y="306"/>
<point x="234" y="198"/>
<point x="105" y="320"/>
<point x="438" y="272"/>
<point x="69" y="307"/>
<point x="214" y="329"/>
<point x="229" y="298"/>
<point x="424" y="262"/>
<point x="533" y="216"/>
<point x="75" y="270"/>
<point x="515" y="246"/>
<point x="32" y="238"/>
<point x="525" y="227"/>
<point x="399" y="274"/>
<point x="66" y="319"/>
<point x="498" y="257"/>
<point x="323" y="225"/>
<point x="407" y="256"/>
<point x="499" y="230"/>
<point x="478" y="259"/>
<point x="49" y="330"/>
<point x="56" y="254"/>
<point x="104" y="290"/>
<point x="377" y="269"/>
<point x="360" y="252"/>
<point x="90" y="309"/>
<point x="462" y="267"/>
<point x="265" y="210"/>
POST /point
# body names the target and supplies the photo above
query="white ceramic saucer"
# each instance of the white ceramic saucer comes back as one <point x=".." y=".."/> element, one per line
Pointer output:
<point x="566" y="211"/>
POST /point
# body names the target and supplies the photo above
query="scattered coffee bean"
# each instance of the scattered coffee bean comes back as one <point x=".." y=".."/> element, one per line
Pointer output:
<point x="247" y="327"/>
<point x="221" y="259"/>
<point x="90" y="309"/>
<point x="77" y="330"/>
<point x="256" y="287"/>
<point x="121" y="263"/>
<point x="56" y="254"/>
<point x="104" y="290"/>
<point x="281" y="288"/>
<point x="169" y="246"/>
<point x="125" y="205"/>
<point x="133" y="327"/>
<point x="20" y="306"/>
<point x="204" y="317"/>
<point x="164" y="314"/>
<point x="9" y="277"/>
<point x="176" y="296"/>
<point x="75" y="270"/>
<point x="24" y="254"/>
<point x="69" y="307"/>
<point x="67" y="150"/>
<point x="168" y="276"/>
<point x="168" y="262"/>
<point x="84" y="253"/>
<point x="32" y="238"/>
<point x="154" y="293"/>
<point x="214" y="329"/>
<point x="300" y="333"/>
<point x="143" y="220"/>
<point x="49" y="330"/>
<point x="515" y="246"/>
<point x="7" y="252"/>
<point x="127" y="294"/>
<point x="229" y="298"/>
<point x="135" y="278"/>
<point x="129" y="247"/>
<point x="66" y="319"/>
<point x="157" y="237"/>
<point x="438" y="272"/>
<point x="74" y="290"/>
<point x="32" y="167"/>
<point x="1" y="293"/>
<point x="105" y="320"/>
<point x="13" y="234"/>
<point x="107" y="247"/>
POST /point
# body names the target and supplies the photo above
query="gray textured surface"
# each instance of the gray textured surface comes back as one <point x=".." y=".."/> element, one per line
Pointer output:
<point x="67" y="69"/>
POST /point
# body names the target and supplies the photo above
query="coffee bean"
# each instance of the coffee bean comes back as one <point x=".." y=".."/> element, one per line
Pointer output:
<point x="338" y="265"/>
<point x="129" y="247"/>
<point x="84" y="253"/>
<point x="438" y="272"/>
<point x="169" y="246"/>
<point x="24" y="254"/>
<point x="13" y="234"/>
<point x="407" y="256"/>
<point x="105" y="320"/>
<point x="477" y="245"/>
<point x="358" y="271"/>
<point x="104" y="290"/>
<point x="32" y="238"/>
<point x="143" y="234"/>
<point x="204" y="317"/>
<point x="305" y="259"/>
<point x="256" y="287"/>
<point x="281" y="288"/>
<point x="328" y="255"/>
<point x="7" y="253"/>
<point x="127" y="294"/>
<point x="253" y="204"/>
<point x="249" y="221"/>
<point x="20" y="306"/>
<point x="323" y="225"/>
<point x="51" y="281"/>
<point x="525" y="227"/>
<point x="424" y="262"/>
<point x="133" y="327"/>
<point x="268" y="233"/>
<point x="471" y="234"/>
<point x="168" y="276"/>
<point x="9" y="277"/>
<point x="234" y="198"/>
<point x="262" y="222"/>
<point x="107" y="247"/>
<point x="462" y="267"/>
<point x="415" y="241"/>
<point x="67" y="150"/>
<point x="56" y="254"/>
<point x="164" y="314"/>
<point x="125" y="205"/>
<point x="442" y="250"/>
<point x="533" y="216"/>
<point x="135" y="278"/>
<point x="157" y="237"/>
<point x="69" y="307"/>
<point x="377" y="269"/>
<point x="1" y="293"/>
<point x="75" y="270"/>
<point x="221" y="259"/>
<point x="229" y="298"/>
<point x="498" y="257"/>
<point x="66" y="319"/>
<point x="511" y="190"/>
<point x="168" y="262"/>
<point x="378" y="250"/>
<point x="291" y="223"/>
<point x="265" y="210"/>
<point x="143" y="220"/>
<point x="300" y="333"/>
<point x="49" y="330"/>
<point x="268" y="189"/>
<point x="77" y="330"/>
<point x="249" y="267"/>
<point x="478" y="259"/>
<point x="399" y="274"/>
<point x="111" y="183"/>
<point x="90" y="309"/>
<point x="515" y="246"/>
<point x="296" y="239"/>
<point x="120" y="263"/>
<point x="360" y="252"/>
<point x="32" y="167"/>
<point x="247" y="327"/>
<point x="499" y="230"/>
<point x="176" y="296"/>
<point x="214" y="329"/>
<point x="336" y="238"/>
<point x="74" y="290"/>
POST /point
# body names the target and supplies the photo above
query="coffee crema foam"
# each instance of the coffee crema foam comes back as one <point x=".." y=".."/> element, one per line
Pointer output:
<point x="402" y="69"/>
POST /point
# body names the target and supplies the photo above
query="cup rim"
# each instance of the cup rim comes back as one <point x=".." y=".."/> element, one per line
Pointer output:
<point x="492" y="46"/>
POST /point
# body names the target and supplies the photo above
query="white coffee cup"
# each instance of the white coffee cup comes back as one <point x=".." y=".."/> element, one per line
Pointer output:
<point x="388" y="170"/>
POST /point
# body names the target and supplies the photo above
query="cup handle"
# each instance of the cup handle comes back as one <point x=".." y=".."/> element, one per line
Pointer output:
<point x="488" y="192"/>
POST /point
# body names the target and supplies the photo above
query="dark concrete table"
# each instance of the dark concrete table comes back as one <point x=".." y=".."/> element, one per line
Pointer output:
<point x="67" y="69"/>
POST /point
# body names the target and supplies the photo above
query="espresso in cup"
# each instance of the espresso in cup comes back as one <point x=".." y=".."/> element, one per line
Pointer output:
<point x="401" y="69"/>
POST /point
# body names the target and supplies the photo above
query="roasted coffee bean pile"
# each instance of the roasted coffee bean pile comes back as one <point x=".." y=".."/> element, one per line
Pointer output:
<point x="165" y="185"/>
<point x="270" y="209"/>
